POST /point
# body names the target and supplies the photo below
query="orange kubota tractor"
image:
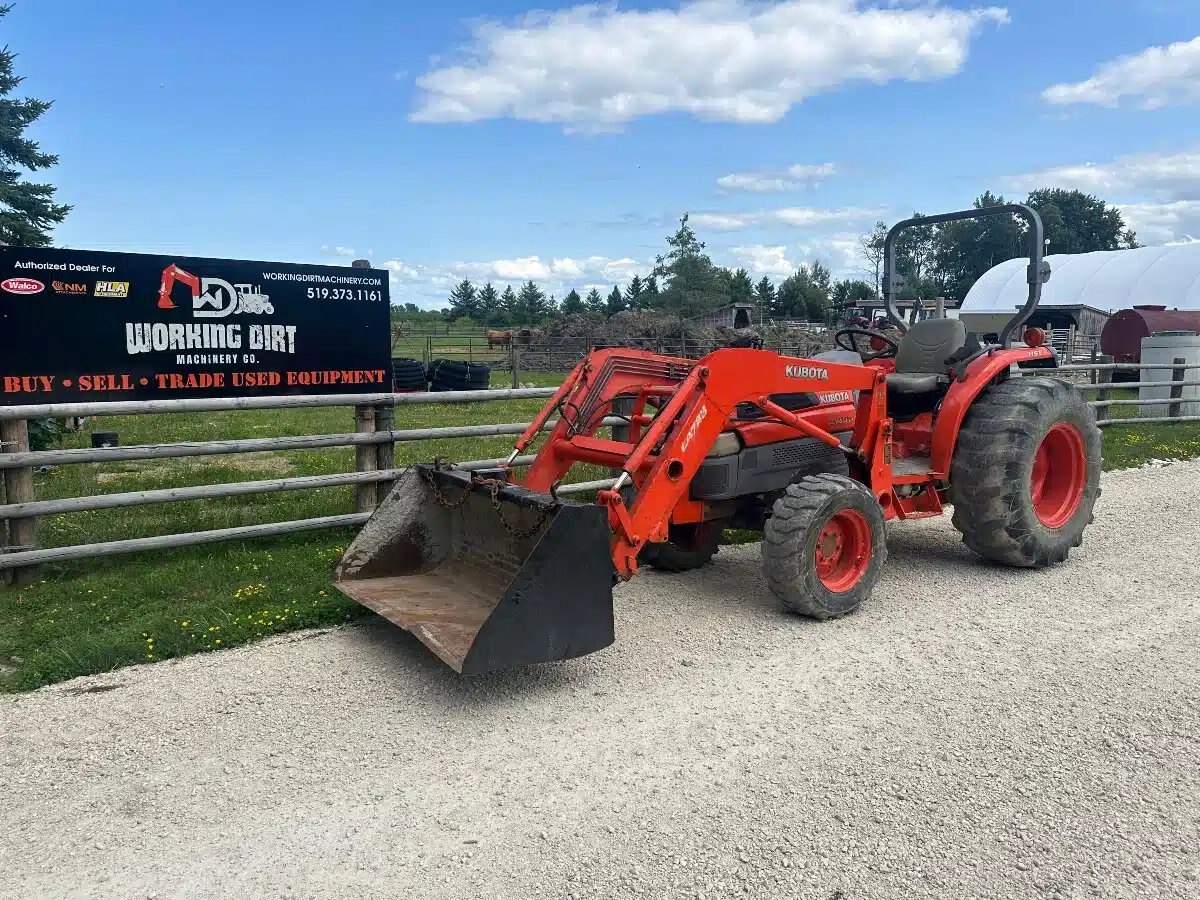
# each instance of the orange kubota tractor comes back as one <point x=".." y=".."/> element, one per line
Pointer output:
<point x="491" y="571"/>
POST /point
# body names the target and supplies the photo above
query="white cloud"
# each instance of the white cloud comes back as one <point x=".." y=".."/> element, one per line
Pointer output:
<point x="337" y="251"/>
<point x="1175" y="222"/>
<point x="428" y="285"/>
<point x="1175" y="174"/>
<point x="1161" y="191"/>
<point x="594" y="67"/>
<point x="763" y="259"/>
<point x="839" y="251"/>
<point x="789" y="179"/>
<point x="790" y="216"/>
<point x="1156" y="77"/>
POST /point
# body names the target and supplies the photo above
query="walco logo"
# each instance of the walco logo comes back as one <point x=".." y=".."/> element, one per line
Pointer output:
<point x="117" y="290"/>
<point x="814" y="372"/>
<point x="22" y="285"/>
<point x="68" y="287"/>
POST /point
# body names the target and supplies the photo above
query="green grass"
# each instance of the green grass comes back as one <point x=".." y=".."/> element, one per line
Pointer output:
<point x="470" y="347"/>
<point x="95" y="615"/>
<point x="1126" y="446"/>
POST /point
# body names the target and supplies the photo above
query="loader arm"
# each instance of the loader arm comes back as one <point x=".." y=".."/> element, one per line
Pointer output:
<point x="170" y="275"/>
<point x="676" y="409"/>
<point x="664" y="461"/>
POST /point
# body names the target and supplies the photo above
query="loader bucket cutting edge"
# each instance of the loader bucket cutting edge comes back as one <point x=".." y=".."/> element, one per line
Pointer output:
<point x="482" y="596"/>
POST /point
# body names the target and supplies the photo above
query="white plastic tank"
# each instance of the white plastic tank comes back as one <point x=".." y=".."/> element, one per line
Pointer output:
<point x="1167" y="349"/>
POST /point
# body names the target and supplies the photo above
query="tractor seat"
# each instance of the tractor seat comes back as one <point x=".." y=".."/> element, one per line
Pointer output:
<point x="921" y="358"/>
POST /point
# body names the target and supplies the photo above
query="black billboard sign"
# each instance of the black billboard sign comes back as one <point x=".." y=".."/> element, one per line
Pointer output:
<point x="84" y="325"/>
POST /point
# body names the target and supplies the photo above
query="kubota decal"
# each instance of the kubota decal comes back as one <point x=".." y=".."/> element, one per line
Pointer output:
<point x="837" y="397"/>
<point x="814" y="372"/>
<point x="22" y="285"/>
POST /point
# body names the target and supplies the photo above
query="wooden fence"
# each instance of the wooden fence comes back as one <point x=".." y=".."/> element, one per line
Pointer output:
<point x="374" y="439"/>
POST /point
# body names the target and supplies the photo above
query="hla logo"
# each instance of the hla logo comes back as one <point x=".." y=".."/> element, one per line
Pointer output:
<point x="213" y="298"/>
<point x="814" y="372"/>
<point x="116" y="290"/>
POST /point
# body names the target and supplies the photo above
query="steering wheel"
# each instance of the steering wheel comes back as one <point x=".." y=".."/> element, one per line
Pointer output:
<point x="845" y="341"/>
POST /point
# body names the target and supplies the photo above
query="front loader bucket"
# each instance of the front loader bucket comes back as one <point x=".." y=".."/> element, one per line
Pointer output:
<point x="479" y="581"/>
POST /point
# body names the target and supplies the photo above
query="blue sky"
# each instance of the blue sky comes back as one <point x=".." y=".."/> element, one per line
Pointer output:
<point x="487" y="140"/>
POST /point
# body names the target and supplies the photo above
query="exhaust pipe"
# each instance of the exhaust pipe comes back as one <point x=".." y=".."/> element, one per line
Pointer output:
<point x="487" y="575"/>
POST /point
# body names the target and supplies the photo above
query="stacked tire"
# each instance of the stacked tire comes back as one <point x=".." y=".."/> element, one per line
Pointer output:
<point x="456" y="375"/>
<point x="408" y="376"/>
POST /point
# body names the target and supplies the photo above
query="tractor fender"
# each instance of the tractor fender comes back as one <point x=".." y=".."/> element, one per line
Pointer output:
<point x="962" y="393"/>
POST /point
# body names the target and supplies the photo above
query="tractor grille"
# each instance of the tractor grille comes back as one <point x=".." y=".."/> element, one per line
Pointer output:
<point x="796" y="453"/>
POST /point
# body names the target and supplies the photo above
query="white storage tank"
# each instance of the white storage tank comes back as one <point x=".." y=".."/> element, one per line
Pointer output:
<point x="1169" y="349"/>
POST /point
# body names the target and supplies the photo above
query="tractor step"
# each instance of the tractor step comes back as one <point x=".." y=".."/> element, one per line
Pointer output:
<point x="912" y="465"/>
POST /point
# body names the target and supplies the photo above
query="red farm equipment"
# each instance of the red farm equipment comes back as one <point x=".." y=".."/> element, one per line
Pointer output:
<point x="491" y="570"/>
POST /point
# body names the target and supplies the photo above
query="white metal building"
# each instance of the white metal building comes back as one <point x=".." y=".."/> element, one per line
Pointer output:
<point x="1108" y="280"/>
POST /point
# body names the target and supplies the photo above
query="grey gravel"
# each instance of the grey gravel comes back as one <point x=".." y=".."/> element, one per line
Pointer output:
<point x="973" y="732"/>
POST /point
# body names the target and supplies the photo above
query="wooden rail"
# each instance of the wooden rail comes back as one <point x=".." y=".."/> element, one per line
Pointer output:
<point x="374" y="440"/>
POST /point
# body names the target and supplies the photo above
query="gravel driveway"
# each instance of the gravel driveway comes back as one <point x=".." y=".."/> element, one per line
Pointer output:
<point x="973" y="732"/>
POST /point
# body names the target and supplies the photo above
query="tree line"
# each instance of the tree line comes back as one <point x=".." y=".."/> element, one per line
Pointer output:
<point x="936" y="261"/>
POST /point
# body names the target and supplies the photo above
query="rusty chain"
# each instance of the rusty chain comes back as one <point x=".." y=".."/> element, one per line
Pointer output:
<point x="494" y="485"/>
<point x="441" y="498"/>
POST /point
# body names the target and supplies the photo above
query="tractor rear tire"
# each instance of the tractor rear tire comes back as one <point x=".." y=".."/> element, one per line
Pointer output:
<point x="824" y="546"/>
<point x="1026" y="472"/>
<point x="689" y="547"/>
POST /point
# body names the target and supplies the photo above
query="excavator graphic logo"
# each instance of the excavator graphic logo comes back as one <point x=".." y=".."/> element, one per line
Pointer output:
<point x="213" y="298"/>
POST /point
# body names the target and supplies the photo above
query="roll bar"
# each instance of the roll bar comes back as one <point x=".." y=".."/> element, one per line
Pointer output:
<point x="1037" y="273"/>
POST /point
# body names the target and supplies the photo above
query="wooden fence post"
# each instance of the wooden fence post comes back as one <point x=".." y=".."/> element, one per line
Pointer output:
<point x="516" y="365"/>
<point x="1175" y="410"/>
<point x="18" y="488"/>
<point x="366" y="458"/>
<point x="385" y="454"/>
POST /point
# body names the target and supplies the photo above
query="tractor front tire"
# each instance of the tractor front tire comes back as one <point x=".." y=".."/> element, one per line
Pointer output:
<point x="1026" y="472"/>
<point x="824" y="546"/>
<point x="689" y="547"/>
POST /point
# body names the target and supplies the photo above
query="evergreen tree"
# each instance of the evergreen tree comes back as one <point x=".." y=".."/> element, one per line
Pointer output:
<point x="572" y="304"/>
<point x="693" y="284"/>
<point x="532" y="304"/>
<point x="764" y="296"/>
<point x="489" y="305"/>
<point x="652" y="298"/>
<point x="804" y="295"/>
<point x="508" y="303"/>
<point x="615" y="302"/>
<point x="27" y="210"/>
<point x="464" y="300"/>
<point x="634" y="293"/>
<point x="741" y="288"/>
<point x="594" y="302"/>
